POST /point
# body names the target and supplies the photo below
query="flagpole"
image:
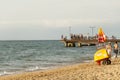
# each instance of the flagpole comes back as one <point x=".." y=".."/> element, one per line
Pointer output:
<point x="92" y="30"/>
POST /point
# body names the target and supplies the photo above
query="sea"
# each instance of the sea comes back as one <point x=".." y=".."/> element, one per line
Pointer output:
<point x="18" y="56"/>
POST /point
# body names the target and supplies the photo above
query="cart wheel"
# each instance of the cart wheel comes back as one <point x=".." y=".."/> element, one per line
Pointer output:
<point x="108" y="62"/>
<point x="104" y="62"/>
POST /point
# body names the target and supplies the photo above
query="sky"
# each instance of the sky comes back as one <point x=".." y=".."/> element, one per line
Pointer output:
<point x="49" y="19"/>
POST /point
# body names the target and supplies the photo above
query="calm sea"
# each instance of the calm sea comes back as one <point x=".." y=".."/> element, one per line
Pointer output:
<point x="22" y="56"/>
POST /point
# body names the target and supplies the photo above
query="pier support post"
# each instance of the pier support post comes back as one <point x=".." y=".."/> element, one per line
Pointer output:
<point x="79" y="45"/>
<point x="69" y="44"/>
<point x="66" y="44"/>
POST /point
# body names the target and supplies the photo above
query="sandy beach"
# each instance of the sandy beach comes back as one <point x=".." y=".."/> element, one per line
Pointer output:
<point x="82" y="71"/>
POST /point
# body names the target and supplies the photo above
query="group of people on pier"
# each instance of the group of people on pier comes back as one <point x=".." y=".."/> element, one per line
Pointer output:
<point x="79" y="37"/>
<point x="84" y="37"/>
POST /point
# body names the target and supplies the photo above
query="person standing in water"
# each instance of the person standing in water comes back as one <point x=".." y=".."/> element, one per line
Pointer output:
<point x="116" y="48"/>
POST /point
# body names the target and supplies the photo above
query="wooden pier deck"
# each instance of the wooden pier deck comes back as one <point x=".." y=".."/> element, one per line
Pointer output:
<point x="79" y="43"/>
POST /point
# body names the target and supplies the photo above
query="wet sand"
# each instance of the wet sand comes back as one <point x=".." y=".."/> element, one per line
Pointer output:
<point x="83" y="71"/>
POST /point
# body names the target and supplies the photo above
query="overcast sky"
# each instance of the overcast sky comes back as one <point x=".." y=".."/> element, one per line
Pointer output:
<point x="49" y="19"/>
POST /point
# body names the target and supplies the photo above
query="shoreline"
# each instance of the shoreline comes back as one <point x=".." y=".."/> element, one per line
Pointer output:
<point x="82" y="71"/>
<point x="38" y="68"/>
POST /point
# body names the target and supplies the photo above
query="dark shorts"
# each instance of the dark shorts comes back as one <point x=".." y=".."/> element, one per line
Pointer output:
<point x="116" y="51"/>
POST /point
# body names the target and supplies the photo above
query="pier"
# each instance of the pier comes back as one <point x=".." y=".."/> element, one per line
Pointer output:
<point x="80" y="43"/>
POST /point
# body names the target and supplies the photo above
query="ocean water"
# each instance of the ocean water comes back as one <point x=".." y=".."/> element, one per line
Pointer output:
<point x="30" y="55"/>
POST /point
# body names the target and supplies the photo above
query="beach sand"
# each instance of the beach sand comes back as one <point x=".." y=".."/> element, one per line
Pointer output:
<point x="82" y="71"/>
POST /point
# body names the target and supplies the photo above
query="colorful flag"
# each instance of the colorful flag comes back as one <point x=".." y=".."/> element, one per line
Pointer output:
<point x="101" y="35"/>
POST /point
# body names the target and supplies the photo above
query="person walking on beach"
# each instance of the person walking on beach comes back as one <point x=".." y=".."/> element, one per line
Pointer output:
<point x="109" y="49"/>
<point x="116" y="48"/>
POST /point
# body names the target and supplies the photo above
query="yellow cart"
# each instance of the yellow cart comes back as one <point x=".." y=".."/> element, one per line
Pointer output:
<point x="102" y="56"/>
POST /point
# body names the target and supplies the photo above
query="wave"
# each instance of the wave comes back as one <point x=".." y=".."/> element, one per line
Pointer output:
<point x="6" y="73"/>
<point x="30" y="69"/>
<point x="37" y="68"/>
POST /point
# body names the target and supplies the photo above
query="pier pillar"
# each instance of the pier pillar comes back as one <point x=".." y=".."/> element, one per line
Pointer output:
<point x="71" y="44"/>
<point x="68" y="44"/>
<point x="79" y="45"/>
